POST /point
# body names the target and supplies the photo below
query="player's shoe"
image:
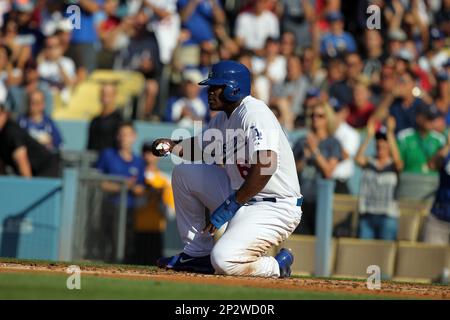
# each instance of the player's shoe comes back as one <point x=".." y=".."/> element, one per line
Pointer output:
<point x="184" y="262"/>
<point x="285" y="258"/>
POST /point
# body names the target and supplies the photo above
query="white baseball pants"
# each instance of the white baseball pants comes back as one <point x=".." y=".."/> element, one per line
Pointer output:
<point x="254" y="229"/>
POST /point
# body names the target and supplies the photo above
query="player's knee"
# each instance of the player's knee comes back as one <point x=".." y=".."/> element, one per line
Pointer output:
<point x="220" y="262"/>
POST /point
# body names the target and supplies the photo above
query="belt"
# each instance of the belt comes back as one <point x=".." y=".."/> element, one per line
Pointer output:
<point x="297" y="201"/>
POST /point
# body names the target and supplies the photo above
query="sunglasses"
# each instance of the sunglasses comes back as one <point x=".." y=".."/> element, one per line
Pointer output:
<point x="317" y="115"/>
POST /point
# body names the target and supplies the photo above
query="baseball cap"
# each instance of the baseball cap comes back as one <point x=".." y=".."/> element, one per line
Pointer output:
<point x="381" y="133"/>
<point x="397" y="35"/>
<point x="436" y="34"/>
<point x="336" y="104"/>
<point x="313" y="92"/>
<point x="405" y="54"/>
<point x="334" y="16"/>
<point x="431" y="112"/>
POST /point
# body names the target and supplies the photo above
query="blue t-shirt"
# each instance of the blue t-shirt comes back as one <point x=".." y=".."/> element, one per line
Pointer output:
<point x="405" y="118"/>
<point x="441" y="206"/>
<point x="111" y="162"/>
<point x="39" y="130"/>
<point x="87" y="32"/>
<point x="200" y="23"/>
<point x="332" y="45"/>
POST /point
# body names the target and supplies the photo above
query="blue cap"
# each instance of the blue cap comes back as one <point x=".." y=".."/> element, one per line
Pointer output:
<point x="334" y="16"/>
<point x="336" y="104"/>
<point x="313" y="92"/>
<point x="436" y="34"/>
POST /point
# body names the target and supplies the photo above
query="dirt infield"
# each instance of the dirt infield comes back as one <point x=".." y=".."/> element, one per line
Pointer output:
<point x="393" y="289"/>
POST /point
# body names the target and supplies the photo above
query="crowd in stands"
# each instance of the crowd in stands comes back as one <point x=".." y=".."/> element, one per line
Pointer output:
<point x="316" y="63"/>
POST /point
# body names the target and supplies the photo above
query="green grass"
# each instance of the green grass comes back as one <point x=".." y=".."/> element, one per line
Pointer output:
<point x="47" y="286"/>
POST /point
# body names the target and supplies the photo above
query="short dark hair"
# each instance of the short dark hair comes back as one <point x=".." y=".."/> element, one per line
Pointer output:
<point x="2" y="107"/>
<point x="126" y="124"/>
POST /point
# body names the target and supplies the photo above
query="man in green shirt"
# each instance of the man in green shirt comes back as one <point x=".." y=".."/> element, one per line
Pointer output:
<point x="417" y="146"/>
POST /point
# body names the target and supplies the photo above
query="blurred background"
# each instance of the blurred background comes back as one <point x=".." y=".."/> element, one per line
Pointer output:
<point x="363" y="95"/>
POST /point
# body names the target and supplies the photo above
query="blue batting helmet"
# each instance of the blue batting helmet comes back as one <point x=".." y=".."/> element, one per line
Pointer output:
<point x="234" y="76"/>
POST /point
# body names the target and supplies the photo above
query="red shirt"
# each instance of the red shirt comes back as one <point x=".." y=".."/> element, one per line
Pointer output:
<point x="358" y="117"/>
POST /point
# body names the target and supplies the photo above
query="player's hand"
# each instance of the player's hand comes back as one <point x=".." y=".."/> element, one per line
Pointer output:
<point x="224" y="213"/>
<point x="162" y="147"/>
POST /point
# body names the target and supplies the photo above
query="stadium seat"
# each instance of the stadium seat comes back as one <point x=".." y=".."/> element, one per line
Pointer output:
<point x="417" y="186"/>
<point x="345" y="212"/>
<point x="304" y="249"/>
<point x="412" y="215"/>
<point x="421" y="261"/>
<point x="355" y="255"/>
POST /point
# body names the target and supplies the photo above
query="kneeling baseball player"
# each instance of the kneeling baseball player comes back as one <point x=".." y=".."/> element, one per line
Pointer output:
<point x="254" y="191"/>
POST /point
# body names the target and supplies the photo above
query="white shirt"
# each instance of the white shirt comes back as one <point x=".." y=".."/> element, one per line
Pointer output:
<point x="255" y="30"/>
<point x="49" y="70"/>
<point x="256" y="129"/>
<point x="276" y="70"/>
<point x="349" y="139"/>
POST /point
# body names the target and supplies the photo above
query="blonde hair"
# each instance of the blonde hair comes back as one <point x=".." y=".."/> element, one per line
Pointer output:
<point x="329" y="115"/>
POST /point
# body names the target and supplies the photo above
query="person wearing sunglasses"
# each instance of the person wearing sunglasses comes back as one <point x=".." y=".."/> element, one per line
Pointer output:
<point x="317" y="155"/>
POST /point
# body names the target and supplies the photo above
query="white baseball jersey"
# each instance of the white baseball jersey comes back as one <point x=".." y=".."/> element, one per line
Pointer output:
<point x="253" y="127"/>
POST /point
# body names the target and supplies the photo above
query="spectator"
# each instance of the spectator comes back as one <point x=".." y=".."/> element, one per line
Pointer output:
<point x="84" y="38"/>
<point x="288" y="44"/>
<point x="260" y="83"/>
<point x="377" y="204"/>
<point x="165" y="22"/>
<point x="25" y="155"/>
<point x="290" y="94"/>
<point x="143" y="46"/>
<point x="337" y="81"/>
<point x="272" y="64"/>
<point x="396" y="41"/>
<point x="38" y="124"/>
<point x="253" y="27"/>
<point x="150" y="220"/>
<point x="417" y="146"/>
<point x="192" y="105"/>
<point x="354" y="67"/>
<point x="55" y="69"/>
<point x="121" y="161"/>
<point x="26" y="39"/>
<point x="17" y="95"/>
<point x="437" y="224"/>
<point x="8" y="74"/>
<point x="361" y="107"/>
<point x="316" y="156"/>
<point x="349" y="140"/>
<point x="403" y="101"/>
<point x="103" y="128"/>
<point x="336" y="42"/>
<point x="199" y="16"/>
<point x="113" y="33"/>
<point x="297" y="17"/>
<point x="374" y="55"/>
